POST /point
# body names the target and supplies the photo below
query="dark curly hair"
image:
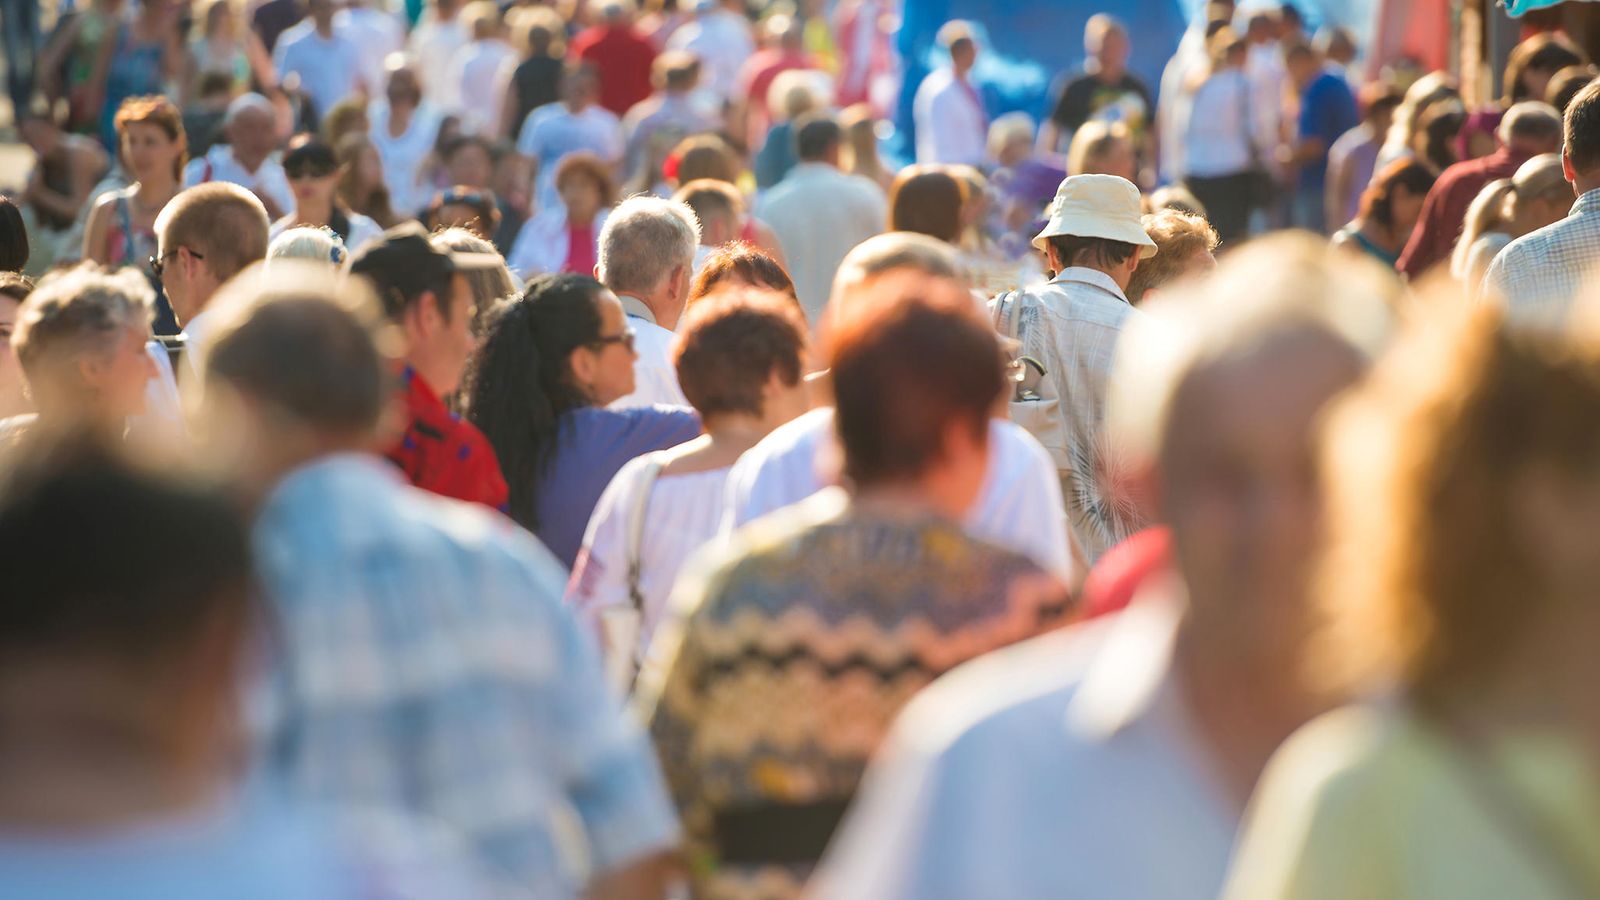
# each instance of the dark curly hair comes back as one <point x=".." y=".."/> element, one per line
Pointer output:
<point x="521" y="384"/>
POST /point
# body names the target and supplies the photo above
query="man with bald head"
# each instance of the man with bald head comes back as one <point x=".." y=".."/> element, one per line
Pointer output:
<point x="249" y="156"/>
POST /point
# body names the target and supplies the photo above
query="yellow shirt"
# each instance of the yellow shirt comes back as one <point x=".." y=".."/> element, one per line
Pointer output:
<point x="1369" y="803"/>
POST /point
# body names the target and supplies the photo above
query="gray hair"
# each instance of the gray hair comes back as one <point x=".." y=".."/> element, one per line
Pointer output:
<point x="643" y="240"/>
<point x="1278" y="287"/>
<point x="1533" y="120"/>
<point x="309" y="243"/>
<point x="84" y="309"/>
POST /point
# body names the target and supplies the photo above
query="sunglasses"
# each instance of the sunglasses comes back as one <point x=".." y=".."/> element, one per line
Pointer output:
<point x="625" y="339"/>
<point x="158" y="264"/>
<point x="308" y="170"/>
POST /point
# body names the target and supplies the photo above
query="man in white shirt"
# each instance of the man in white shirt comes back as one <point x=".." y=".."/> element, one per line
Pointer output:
<point x="249" y="157"/>
<point x="480" y="72"/>
<point x="435" y="42"/>
<point x="723" y="39"/>
<point x="404" y="129"/>
<point x="952" y="125"/>
<point x="576" y="123"/>
<point x="205" y="236"/>
<point x="378" y="32"/>
<point x="1113" y="759"/>
<point x="327" y="63"/>
<point x="646" y="258"/>
<point x="820" y="213"/>
<point x="1019" y="506"/>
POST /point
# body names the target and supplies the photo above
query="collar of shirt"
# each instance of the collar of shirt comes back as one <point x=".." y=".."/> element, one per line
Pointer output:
<point x="1093" y="277"/>
<point x="1589" y="202"/>
<point x="635" y="308"/>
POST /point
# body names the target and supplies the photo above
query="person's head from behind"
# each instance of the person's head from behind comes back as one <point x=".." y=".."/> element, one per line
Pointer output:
<point x="1303" y="63"/>
<point x="1095" y="223"/>
<point x="738" y="265"/>
<point x="916" y="372"/>
<point x="1185" y="244"/>
<point x="1105" y="40"/>
<point x="250" y="125"/>
<point x="1379" y="101"/>
<point x="95" y="641"/>
<point x="817" y="138"/>
<point x="884" y="265"/>
<point x="927" y="200"/>
<point x="1473" y="448"/>
<point x="1225" y="49"/>
<point x="14" y="288"/>
<point x="563" y="345"/>
<point x="490" y="285"/>
<point x="960" y="41"/>
<point x="1011" y="139"/>
<point x="1539" y="196"/>
<point x="463" y="207"/>
<point x="860" y="138"/>
<point x="1531" y="127"/>
<point x="1581" y="139"/>
<point x="258" y="417"/>
<point x="424" y="290"/>
<point x="586" y="186"/>
<point x="321" y="13"/>
<point x="1103" y="148"/>
<point x="676" y="72"/>
<point x="704" y="156"/>
<point x="403" y="85"/>
<point x="1394" y="199"/>
<point x="205" y="236"/>
<point x="1436" y="143"/>
<point x="482" y="20"/>
<point x="793" y="94"/>
<point x="13" y="237"/>
<point x="719" y="208"/>
<point x="80" y="338"/>
<point x="740" y="356"/>
<point x="1534" y="62"/>
<point x="1214" y="409"/>
<point x="150" y="137"/>
<point x="1336" y="44"/>
<point x="307" y="243"/>
<point x="647" y="251"/>
<point x="1566" y="84"/>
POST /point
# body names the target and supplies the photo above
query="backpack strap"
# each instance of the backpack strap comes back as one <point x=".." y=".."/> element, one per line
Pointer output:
<point x="634" y="549"/>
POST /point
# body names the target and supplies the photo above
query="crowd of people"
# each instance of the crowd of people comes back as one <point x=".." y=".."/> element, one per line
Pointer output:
<point x="596" y="468"/>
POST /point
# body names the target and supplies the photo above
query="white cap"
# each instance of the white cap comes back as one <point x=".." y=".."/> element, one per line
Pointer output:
<point x="1098" y="206"/>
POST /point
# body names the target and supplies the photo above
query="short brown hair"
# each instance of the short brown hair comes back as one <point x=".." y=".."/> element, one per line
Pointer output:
<point x="158" y="111"/>
<point x="343" y="347"/>
<point x="927" y="200"/>
<point x="1581" y="129"/>
<point x="730" y="345"/>
<point x="225" y="224"/>
<point x="592" y="167"/>
<point x="712" y="199"/>
<point x="904" y="369"/>
<point x="743" y="263"/>
<point x="1179" y="236"/>
<point x="704" y="156"/>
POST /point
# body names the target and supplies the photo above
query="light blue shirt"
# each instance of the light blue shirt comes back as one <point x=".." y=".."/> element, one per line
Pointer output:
<point x="426" y="664"/>
<point x="1061" y="767"/>
<point x="552" y="133"/>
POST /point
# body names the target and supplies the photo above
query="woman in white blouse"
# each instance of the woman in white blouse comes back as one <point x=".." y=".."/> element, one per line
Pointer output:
<point x="739" y="358"/>
<point x="1223" y="154"/>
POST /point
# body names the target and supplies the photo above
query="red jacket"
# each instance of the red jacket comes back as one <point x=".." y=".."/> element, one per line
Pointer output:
<point x="442" y="454"/>
<point x="1444" y="213"/>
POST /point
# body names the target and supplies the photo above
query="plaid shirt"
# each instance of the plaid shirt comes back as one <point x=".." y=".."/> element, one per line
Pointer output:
<point x="1070" y="325"/>
<point x="427" y="665"/>
<point x="441" y="453"/>
<point x="1537" y="275"/>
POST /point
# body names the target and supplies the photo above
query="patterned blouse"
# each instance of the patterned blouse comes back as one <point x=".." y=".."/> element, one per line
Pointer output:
<point x="781" y="666"/>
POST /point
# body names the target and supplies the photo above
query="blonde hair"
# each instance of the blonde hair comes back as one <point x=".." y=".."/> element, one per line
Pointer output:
<point x="73" y="312"/>
<point x="489" y="285"/>
<point x="1179" y="236"/>
<point x="1497" y="205"/>
<point x="1093" y="140"/>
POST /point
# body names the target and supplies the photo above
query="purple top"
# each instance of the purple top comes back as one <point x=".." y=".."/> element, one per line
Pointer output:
<point x="594" y="444"/>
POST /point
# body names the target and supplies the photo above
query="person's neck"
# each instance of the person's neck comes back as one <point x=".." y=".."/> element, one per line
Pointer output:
<point x="1586" y="183"/>
<point x="1242" y="705"/>
<point x="314" y="212"/>
<point x="436" y="376"/>
<point x="249" y="160"/>
<point x="1384" y="236"/>
<point x="400" y="117"/>
<point x="72" y="761"/>
<point x="324" y="30"/>
<point x="582" y="219"/>
<point x="909" y="500"/>
<point x="726" y="438"/>
<point x="156" y="190"/>
<point x="1102" y="72"/>
<point x="666" y="312"/>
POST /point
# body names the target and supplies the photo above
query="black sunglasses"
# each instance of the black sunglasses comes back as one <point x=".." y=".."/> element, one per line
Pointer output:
<point x="158" y="264"/>
<point x="625" y="339"/>
<point x="298" y="169"/>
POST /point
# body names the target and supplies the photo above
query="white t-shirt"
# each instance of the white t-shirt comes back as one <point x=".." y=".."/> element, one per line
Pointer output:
<point x="330" y="69"/>
<point x="1019" y="508"/>
<point x="655" y="379"/>
<point x="219" y="164"/>
<point x="434" y="44"/>
<point x="479" y="75"/>
<point x="376" y="33"/>
<point x="403" y="156"/>
<point x="952" y="127"/>
<point x="682" y="516"/>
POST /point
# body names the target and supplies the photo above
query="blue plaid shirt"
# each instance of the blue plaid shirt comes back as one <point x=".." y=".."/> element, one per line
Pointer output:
<point x="1538" y="275"/>
<point x="427" y="664"/>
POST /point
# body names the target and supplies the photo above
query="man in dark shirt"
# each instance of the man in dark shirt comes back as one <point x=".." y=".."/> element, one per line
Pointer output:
<point x="537" y="80"/>
<point x="1105" y="90"/>
<point x="1528" y="129"/>
<point x="273" y="18"/>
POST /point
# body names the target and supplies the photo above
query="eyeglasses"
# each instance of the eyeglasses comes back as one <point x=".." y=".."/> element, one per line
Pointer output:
<point x="625" y="339"/>
<point x="297" y="170"/>
<point x="158" y="264"/>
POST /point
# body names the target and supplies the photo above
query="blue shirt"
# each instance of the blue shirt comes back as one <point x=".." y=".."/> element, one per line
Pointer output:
<point x="260" y="849"/>
<point x="593" y="445"/>
<point x="1327" y="111"/>
<point x="427" y="664"/>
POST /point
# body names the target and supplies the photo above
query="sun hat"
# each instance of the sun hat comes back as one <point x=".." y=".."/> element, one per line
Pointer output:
<point x="1097" y="206"/>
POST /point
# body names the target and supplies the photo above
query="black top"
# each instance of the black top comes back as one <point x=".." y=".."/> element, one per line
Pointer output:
<point x="275" y="17"/>
<point x="1086" y="97"/>
<point x="536" y="81"/>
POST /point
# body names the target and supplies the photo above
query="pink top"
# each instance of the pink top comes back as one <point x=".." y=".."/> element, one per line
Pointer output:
<point x="580" y="250"/>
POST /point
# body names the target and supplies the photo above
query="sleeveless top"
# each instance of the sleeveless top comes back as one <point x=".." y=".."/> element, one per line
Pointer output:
<point x="1368" y="247"/>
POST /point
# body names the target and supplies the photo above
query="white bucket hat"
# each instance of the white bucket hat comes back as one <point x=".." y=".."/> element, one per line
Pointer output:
<point x="1097" y="206"/>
